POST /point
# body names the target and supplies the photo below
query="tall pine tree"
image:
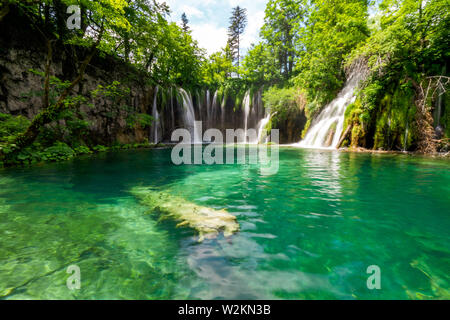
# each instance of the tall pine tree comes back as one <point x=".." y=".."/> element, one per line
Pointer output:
<point x="238" y="22"/>
<point x="184" y="22"/>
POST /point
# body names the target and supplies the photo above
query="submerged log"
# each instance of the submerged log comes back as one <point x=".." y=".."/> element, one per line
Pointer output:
<point x="208" y="222"/>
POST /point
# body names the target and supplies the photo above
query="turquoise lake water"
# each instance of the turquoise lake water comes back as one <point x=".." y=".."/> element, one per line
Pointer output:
<point x="308" y="232"/>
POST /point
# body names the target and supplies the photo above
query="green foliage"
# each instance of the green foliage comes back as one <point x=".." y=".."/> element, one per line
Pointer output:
<point x="233" y="87"/>
<point x="333" y="30"/>
<point x="260" y="66"/>
<point x="306" y="44"/>
<point x="82" y="150"/>
<point x="59" y="151"/>
<point x="11" y="126"/>
<point x="100" y="148"/>
<point x="218" y="68"/>
<point x="177" y="59"/>
<point x="142" y="120"/>
<point x="408" y="42"/>
<point x="396" y="112"/>
<point x="307" y="49"/>
<point x="282" y="32"/>
<point x="355" y="117"/>
<point x="114" y="91"/>
<point x="284" y="103"/>
<point x="412" y="35"/>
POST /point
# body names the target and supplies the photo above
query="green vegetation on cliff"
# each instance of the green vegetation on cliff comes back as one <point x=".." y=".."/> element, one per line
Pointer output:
<point x="400" y="46"/>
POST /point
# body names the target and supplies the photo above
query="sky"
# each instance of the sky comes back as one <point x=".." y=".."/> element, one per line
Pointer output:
<point x="209" y="20"/>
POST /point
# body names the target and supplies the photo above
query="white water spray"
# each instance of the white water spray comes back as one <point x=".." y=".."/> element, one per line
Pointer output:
<point x="214" y="109"/>
<point x="156" y="121"/>
<point x="262" y="132"/>
<point x="189" y="117"/>
<point x="319" y="134"/>
<point x="208" y="108"/>
<point x="246" y="104"/>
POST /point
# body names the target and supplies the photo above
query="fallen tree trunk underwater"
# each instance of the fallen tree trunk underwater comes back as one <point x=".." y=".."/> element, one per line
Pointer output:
<point x="208" y="222"/>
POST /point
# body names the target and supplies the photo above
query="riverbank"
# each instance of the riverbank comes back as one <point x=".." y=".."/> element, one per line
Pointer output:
<point x="364" y="150"/>
<point x="62" y="152"/>
<point x="142" y="146"/>
<point x="410" y="153"/>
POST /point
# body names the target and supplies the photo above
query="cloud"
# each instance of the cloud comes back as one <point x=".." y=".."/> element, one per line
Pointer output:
<point x="209" y="19"/>
<point x="209" y="36"/>
<point x="251" y="34"/>
<point x="192" y="11"/>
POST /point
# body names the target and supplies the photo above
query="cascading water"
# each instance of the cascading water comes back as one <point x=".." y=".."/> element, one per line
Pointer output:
<point x="156" y="120"/>
<point x="172" y="111"/>
<point x="246" y="105"/>
<point x="326" y="129"/>
<point x="213" y="118"/>
<point x="189" y="117"/>
<point x="222" y="113"/>
<point x="262" y="129"/>
<point x="405" y="141"/>
<point x="208" y="108"/>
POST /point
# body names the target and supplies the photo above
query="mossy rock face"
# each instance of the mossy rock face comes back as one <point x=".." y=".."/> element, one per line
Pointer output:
<point x="208" y="222"/>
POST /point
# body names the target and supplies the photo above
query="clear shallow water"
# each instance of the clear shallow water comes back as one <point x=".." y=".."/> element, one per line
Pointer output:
<point x="309" y="232"/>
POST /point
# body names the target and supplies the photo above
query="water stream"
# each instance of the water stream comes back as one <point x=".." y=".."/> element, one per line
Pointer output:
<point x="327" y="127"/>
<point x="189" y="117"/>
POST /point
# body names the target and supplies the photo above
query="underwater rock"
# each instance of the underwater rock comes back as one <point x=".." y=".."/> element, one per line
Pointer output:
<point x="208" y="222"/>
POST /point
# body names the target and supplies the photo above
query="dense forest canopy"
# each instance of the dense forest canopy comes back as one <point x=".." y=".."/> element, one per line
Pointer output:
<point x="307" y="50"/>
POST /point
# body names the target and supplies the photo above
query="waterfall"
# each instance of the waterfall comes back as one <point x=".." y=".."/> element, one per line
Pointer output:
<point x="189" y="117"/>
<point x="405" y="145"/>
<point x="246" y="104"/>
<point x="326" y="129"/>
<point x="222" y="113"/>
<point x="156" y="121"/>
<point x="172" y="113"/>
<point x="208" y="109"/>
<point x="214" y="110"/>
<point x="199" y="104"/>
<point x="262" y="129"/>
